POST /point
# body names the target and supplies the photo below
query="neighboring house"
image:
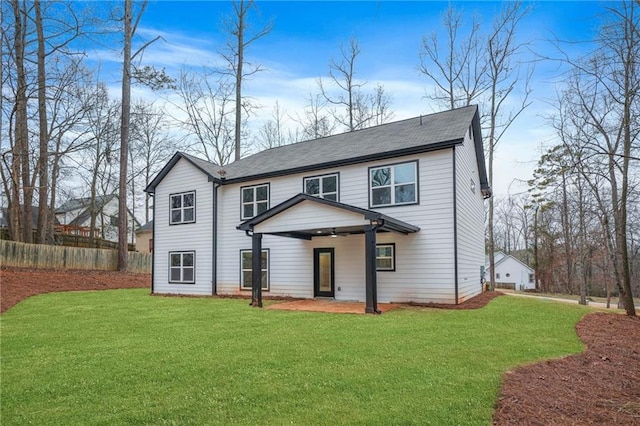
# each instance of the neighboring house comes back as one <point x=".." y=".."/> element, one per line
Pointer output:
<point x="74" y="217"/>
<point x="4" y="219"/>
<point x="144" y="238"/>
<point x="511" y="273"/>
<point x="392" y="213"/>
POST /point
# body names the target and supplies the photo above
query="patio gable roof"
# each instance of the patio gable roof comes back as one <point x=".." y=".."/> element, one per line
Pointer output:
<point x="305" y="216"/>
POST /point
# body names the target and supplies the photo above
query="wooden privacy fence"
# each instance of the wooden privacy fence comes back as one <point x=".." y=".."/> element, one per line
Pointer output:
<point x="23" y="255"/>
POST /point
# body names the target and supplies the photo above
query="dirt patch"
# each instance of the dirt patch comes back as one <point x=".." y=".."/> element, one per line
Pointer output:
<point x="600" y="386"/>
<point x="332" y="306"/>
<point x="475" y="302"/>
<point x="18" y="284"/>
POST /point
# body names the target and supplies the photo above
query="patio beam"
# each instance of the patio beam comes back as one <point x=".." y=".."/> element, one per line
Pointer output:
<point x="371" y="275"/>
<point x="256" y="270"/>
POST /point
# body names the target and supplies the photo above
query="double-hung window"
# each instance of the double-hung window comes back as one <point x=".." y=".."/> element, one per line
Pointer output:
<point x="322" y="186"/>
<point x="183" y="208"/>
<point x="255" y="200"/>
<point x="393" y="185"/>
<point x="386" y="257"/>
<point x="182" y="267"/>
<point x="246" y="269"/>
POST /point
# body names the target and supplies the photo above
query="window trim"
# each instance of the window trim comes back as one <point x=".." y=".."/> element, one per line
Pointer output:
<point x="336" y="174"/>
<point x="182" y="194"/>
<point x="393" y="257"/>
<point x="242" y="203"/>
<point x="182" y="252"/>
<point x="416" y="162"/>
<point x="242" y="288"/>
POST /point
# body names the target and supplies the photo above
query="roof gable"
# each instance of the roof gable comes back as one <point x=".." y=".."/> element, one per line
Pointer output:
<point x="210" y="169"/>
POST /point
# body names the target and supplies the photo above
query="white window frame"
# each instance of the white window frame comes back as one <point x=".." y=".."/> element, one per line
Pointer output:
<point x="182" y="208"/>
<point x="254" y="203"/>
<point x="265" y="286"/>
<point x="182" y="267"/>
<point x="322" y="193"/>
<point x="392" y="185"/>
<point x="392" y="257"/>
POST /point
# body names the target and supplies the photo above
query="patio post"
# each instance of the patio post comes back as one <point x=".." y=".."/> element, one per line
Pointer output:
<point x="371" y="276"/>
<point x="256" y="270"/>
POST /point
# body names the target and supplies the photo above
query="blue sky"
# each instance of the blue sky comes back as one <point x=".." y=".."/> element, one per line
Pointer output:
<point x="306" y="35"/>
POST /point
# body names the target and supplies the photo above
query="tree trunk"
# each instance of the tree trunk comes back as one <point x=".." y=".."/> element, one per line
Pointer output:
<point x="240" y="36"/>
<point x="124" y="140"/>
<point x="43" y="160"/>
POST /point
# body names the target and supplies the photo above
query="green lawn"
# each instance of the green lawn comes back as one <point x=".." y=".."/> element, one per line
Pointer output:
<point x="123" y="357"/>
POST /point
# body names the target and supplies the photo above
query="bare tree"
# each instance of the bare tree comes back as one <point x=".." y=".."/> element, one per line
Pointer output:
<point x="275" y="132"/>
<point x="206" y="114"/>
<point x="458" y="66"/>
<point x="315" y="122"/>
<point x="353" y="108"/>
<point x="242" y="37"/>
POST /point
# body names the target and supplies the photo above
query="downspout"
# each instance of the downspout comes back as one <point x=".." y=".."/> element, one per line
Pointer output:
<point x="214" y="239"/>
<point x="455" y="226"/>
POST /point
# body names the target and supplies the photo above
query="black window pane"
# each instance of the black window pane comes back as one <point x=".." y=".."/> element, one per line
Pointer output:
<point x="187" y="259"/>
<point x="246" y="260"/>
<point x="333" y="196"/>
<point x="247" y="210"/>
<point x="265" y="284"/>
<point x="176" y="201"/>
<point x="329" y="184"/>
<point x="381" y="177"/>
<point x="381" y="196"/>
<point x="187" y="274"/>
<point x="247" y="195"/>
<point x="406" y="193"/>
<point x="262" y="207"/>
<point x="263" y="260"/>
<point x="312" y="186"/>
<point x="261" y="193"/>
<point x="175" y="274"/>
<point x="188" y="200"/>
<point x="247" y="279"/>
<point x="175" y="260"/>
<point x="188" y="214"/>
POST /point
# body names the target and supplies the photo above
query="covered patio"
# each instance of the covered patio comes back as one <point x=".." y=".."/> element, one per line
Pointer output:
<point x="306" y="217"/>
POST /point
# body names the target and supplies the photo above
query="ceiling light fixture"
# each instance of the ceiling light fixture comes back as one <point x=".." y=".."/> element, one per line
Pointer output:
<point x="333" y="233"/>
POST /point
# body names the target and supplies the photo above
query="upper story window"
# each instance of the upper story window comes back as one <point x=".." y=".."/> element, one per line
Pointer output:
<point x="393" y="185"/>
<point x="183" y="208"/>
<point x="255" y="200"/>
<point x="322" y="186"/>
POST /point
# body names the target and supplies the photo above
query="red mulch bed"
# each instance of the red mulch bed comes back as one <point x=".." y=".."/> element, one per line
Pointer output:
<point x="18" y="284"/>
<point x="600" y="386"/>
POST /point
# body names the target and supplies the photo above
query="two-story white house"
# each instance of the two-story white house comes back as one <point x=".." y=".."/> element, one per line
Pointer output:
<point x="391" y="213"/>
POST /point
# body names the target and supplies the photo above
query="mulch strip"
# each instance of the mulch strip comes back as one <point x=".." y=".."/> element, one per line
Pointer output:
<point x="600" y="386"/>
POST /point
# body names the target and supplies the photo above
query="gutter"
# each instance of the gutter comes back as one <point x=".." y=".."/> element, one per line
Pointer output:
<point x="455" y="225"/>
<point x="214" y="239"/>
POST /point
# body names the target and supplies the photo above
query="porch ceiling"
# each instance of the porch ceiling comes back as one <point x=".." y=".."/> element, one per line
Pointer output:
<point x="304" y="216"/>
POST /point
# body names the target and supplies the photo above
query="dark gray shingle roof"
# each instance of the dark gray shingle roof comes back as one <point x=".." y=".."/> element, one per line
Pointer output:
<point x="419" y="134"/>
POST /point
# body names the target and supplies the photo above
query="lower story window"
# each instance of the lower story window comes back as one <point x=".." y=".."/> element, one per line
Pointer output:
<point x="386" y="257"/>
<point x="246" y="269"/>
<point x="182" y="267"/>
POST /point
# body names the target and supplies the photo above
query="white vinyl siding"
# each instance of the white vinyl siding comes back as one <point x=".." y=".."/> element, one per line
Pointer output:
<point x="470" y="221"/>
<point x="196" y="237"/>
<point x="393" y="184"/>
<point x="255" y="200"/>
<point x="424" y="260"/>
<point x="326" y="186"/>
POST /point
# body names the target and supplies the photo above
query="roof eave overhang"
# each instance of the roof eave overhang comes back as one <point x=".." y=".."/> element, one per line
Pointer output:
<point x="350" y="161"/>
<point x="151" y="188"/>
